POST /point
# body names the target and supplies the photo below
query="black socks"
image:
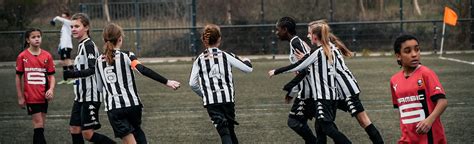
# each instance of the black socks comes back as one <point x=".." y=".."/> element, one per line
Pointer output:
<point x="77" y="138"/>
<point x="374" y="134"/>
<point x="38" y="136"/>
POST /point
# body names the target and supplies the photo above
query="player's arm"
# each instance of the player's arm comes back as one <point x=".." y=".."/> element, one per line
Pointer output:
<point x="301" y="64"/>
<point x="296" y="80"/>
<point x="98" y="78"/>
<point x="194" y="79"/>
<point x="90" y="51"/>
<point x="61" y="19"/>
<point x="18" y="81"/>
<point x="135" y="64"/>
<point x="433" y="88"/>
<point x="50" y="75"/>
<point x="243" y="64"/>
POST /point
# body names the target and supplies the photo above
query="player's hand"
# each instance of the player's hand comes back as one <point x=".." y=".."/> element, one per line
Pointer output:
<point x="53" y="23"/>
<point x="424" y="126"/>
<point x="271" y="73"/>
<point x="299" y="55"/>
<point x="288" y="99"/>
<point x="21" y="103"/>
<point x="49" y="94"/>
<point x="173" y="84"/>
<point x="245" y="59"/>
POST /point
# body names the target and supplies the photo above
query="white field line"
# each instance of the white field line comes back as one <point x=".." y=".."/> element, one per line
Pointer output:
<point x="457" y="60"/>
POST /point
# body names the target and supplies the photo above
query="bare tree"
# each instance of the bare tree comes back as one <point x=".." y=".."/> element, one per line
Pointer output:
<point x="417" y="7"/>
<point x="362" y="8"/>
<point x="106" y="10"/>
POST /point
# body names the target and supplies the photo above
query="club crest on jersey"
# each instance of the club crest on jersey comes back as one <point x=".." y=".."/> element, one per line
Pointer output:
<point x="420" y="82"/>
<point x="45" y="61"/>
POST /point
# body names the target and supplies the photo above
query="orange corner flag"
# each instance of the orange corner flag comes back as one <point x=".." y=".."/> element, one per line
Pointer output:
<point x="450" y="17"/>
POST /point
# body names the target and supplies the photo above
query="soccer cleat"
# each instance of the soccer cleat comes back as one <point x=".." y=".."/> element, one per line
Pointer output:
<point x="62" y="82"/>
<point x="71" y="81"/>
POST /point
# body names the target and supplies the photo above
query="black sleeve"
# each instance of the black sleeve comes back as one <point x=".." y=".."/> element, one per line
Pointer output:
<point x="297" y="45"/>
<point x="436" y="97"/>
<point x="91" y="59"/>
<point x="395" y="106"/>
<point x="289" y="67"/>
<point x="151" y="74"/>
<point x="248" y="63"/>
<point x="295" y="81"/>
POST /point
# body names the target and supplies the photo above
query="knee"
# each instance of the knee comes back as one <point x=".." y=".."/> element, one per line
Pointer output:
<point x="38" y="121"/>
<point x="87" y="134"/>
<point x="75" y="129"/>
<point x="293" y="123"/>
<point x="221" y="125"/>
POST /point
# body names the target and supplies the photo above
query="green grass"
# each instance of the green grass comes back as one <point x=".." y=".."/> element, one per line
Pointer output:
<point x="178" y="116"/>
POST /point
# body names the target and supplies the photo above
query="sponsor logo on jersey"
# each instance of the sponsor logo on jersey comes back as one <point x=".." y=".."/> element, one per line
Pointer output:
<point x="408" y="99"/>
<point x="395" y="87"/>
<point x="25" y="60"/>
<point x="91" y="56"/>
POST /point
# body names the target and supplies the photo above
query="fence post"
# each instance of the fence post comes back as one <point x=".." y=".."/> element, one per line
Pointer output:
<point x="435" y="37"/>
<point x="137" y="30"/>
<point x="274" y="49"/>
<point x="401" y="16"/>
<point x="262" y="31"/>
<point x="354" y="39"/>
<point x="193" y="28"/>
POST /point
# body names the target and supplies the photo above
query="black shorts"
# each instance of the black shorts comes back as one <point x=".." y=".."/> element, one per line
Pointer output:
<point x="85" y="115"/>
<point x="222" y="114"/>
<point x="303" y="109"/>
<point x="37" y="108"/>
<point x="351" y="104"/>
<point x="326" y="110"/>
<point x="65" y="53"/>
<point x="125" y="120"/>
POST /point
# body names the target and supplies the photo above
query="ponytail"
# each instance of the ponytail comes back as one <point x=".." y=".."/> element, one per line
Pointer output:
<point x="210" y="35"/>
<point x="111" y="34"/>
<point x="340" y="45"/>
<point x="324" y="38"/>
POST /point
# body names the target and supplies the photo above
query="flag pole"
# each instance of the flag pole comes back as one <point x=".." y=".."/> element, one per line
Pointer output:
<point x="442" y="40"/>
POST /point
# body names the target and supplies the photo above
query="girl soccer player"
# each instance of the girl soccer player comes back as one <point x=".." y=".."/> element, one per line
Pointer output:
<point x="322" y="73"/>
<point x="211" y="78"/>
<point x="418" y="94"/>
<point x="36" y="67"/>
<point x="65" y="43"/>
<point x="114" y="73"/>
<point x="85" y="110"/>
<point x="347" y="87"/>
<point x="303" y="106"/>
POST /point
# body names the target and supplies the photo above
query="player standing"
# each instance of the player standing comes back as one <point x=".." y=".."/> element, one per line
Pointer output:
<point x="65" y="44"/>
<point x="211" y="78"/>
<point x="114" y="71"/>
<point x="36" y="67"/>
<point x="418" y="94"/>
<point x="322" y="72"/>
<point x="85" y="111"/>
<point x="303" y="106"/>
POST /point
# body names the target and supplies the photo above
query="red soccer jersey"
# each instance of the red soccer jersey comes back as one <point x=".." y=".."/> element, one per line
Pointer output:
<point x="414" y="98"/>
<point x="35" y="70"/>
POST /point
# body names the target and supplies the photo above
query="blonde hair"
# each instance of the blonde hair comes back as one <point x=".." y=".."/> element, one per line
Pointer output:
<point x="210" y="35"/>
<point x="111" y="34"/>
<point x="323" y="32"/>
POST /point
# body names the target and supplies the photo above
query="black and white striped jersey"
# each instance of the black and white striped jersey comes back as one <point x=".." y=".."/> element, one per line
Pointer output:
<point x="84" y="63"/>
<point x="345" y="81"/>
<point x="211" y="75"/>
<point x="303" y="88"/>
<point x="118" y="80"/>
<point x="322" y="74"/>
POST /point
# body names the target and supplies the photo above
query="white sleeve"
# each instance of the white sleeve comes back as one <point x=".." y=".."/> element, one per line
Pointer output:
<point x="194" y="79"/>
<point x="301" y="64"/>
<point x="244" y="66"/>
<point x="61" y="19"/>
<point x="100" y="85"/>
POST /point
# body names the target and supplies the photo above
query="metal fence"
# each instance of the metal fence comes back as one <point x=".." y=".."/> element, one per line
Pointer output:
<point x="259" y="39"/>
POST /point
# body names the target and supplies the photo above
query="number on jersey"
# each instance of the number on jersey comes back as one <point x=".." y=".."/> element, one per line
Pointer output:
<point x="414" y="115"/>
<point x="215" y="72"/>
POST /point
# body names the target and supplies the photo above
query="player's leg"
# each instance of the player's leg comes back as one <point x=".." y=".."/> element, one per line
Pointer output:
<point x="75" y="124"/>
<point x="90" y="122"/>
<point x="298" y="119"/>
<point x="321" y="136"/>
<point x="122" y="127"/>
<point x="357" y="110"/>
<point x="62" y="57"/>
<point x="38" y="115"/>
<point x="325" y="115"/>
<point x="220" y="122"/>
<point x="135" y="120"/>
